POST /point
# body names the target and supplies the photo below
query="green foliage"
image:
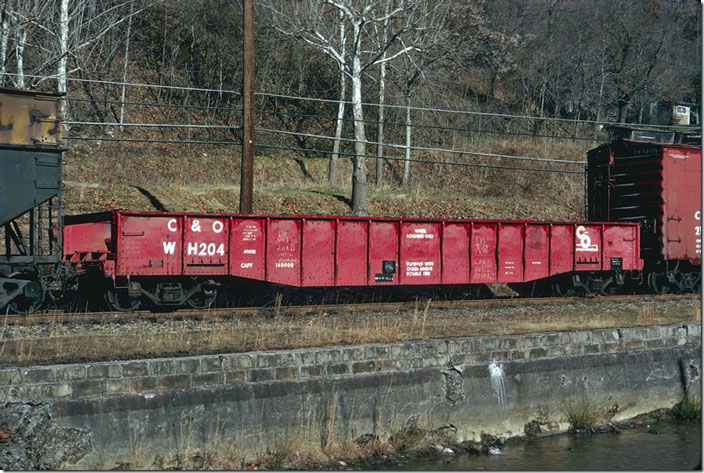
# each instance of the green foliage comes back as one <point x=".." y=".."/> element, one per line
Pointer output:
<point x="688" y="409"/>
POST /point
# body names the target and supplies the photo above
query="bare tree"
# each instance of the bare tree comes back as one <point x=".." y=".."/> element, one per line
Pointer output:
<point x="19" y="54"/>
<point x="316" y="22"/>
<point x="4" y="39"/>
<point x="63" y="48"/>
<point x="433" y="44"/>
<point x="124" y="66"/>
<point x="22" y="22"/>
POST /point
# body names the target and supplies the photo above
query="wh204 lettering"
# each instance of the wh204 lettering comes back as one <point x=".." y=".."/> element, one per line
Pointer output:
<point x="196" y="249"/>
<point x="205" y="249"/>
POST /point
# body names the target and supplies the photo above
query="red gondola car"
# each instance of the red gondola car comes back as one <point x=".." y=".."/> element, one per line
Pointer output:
<point x="174" y="258"/>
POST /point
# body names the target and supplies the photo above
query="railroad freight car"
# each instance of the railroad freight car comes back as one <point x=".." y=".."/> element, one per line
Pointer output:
<point x="30" y="196"/>
<point x="653" y="178"/>
<point x="171" y="259"/>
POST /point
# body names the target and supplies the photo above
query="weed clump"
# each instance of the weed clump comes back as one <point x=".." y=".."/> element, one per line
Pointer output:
<point x="688" y="409"/>
<point x="583" y="415"/>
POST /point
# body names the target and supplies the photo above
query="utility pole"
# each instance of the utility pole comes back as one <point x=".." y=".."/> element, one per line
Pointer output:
<point x="247" y="177"/>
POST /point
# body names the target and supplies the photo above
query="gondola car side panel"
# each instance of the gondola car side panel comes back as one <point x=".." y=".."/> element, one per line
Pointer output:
<point x="420" y="253"/>
<point x="537" y="246"/>
<point x="205" y="246"/>
<point x="318" y="258"/>
<point x="455" y="253"/>
<point x="351" y="253"/>
<point x="149" y="245"/>
<point x="247" y="248"/>
<point x="510" y="249"/>
<point x="482" y="252"/>
<point x="283" y="252"/>
<point x="561" y="248"/>
<point x="383" y="253"/>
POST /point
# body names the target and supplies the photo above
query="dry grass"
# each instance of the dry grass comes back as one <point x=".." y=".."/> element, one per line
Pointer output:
<point x="314" y="441"/>
<point x="172" y="337"/>
<point x="193" y="178"/>
<point x="583" y="415"/>
<point x="218" y="455"/>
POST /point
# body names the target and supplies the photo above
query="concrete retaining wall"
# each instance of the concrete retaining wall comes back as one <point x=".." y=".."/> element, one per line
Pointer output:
<point x="263" y="400"/>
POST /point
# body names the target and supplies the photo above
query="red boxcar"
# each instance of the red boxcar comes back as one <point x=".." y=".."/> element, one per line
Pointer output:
<point x="659" y="186"/>
<point x="345" y="251"/>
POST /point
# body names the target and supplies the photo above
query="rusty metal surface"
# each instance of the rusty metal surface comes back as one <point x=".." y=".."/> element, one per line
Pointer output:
<point x="30" y="118"/>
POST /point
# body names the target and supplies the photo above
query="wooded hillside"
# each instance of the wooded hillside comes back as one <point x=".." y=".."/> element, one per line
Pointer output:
<point x="526" y="70"/>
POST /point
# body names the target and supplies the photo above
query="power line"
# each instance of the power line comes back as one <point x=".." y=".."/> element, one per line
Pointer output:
<point x="129" y="84"/>
<point x="426" y="126"/>
<point x="146" y="140"/>
<point x="421" y="125"/>
<point x="152" y="125"/>
<point x="308" y="135"/>
<point x="316" y="151"/>
<point x="427" y="161"/>
<point x="237" y="112"/>
<point x="156" y="105"/>
<point x="461" y="112"/>
<point x="421" y="148"/>
<point x="312" y="99"/>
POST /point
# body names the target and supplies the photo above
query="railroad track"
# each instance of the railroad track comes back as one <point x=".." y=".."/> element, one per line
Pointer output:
<point x="56" y="316"/>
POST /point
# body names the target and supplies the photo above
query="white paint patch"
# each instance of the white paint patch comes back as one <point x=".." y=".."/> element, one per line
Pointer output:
<point x="496" y="373"/>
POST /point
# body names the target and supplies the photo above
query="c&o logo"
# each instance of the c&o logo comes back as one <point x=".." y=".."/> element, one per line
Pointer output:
<point x="585" y="241"/>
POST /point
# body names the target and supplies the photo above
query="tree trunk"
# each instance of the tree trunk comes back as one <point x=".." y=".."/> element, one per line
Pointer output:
<point x="382" y="87"/>
<point x="19" y="52"/>
<point x="492" y="84"/>
<point x="359" y="174"/>
<point x="621" y="104"/>
<point x="4" y="39"/>
<point x="63" y="44"/>
<point x="380" y="127"/>
<point x="124" y="68"/>
<point x="601" y="94"/>
<point x="332" y="174"/>
<point x="332" y="171"/>
<point x="406" y="161"/>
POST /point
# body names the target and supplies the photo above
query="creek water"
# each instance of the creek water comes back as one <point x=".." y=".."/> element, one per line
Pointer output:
<point x="669" y="446"/>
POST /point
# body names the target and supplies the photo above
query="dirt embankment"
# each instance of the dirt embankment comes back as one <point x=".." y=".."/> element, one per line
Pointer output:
<point x="100" y="176"/>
